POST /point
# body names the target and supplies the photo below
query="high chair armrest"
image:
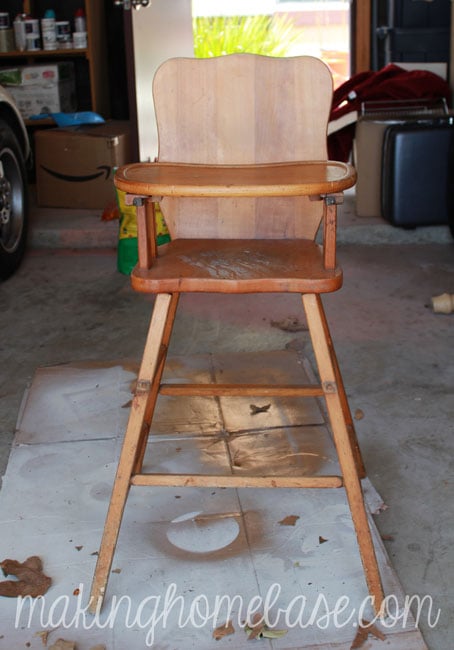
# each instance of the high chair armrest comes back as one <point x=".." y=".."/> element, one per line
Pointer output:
<point x="331" y="201"/>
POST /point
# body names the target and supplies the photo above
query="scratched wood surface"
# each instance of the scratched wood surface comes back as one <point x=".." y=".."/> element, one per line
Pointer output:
<point x="233" y="266"/>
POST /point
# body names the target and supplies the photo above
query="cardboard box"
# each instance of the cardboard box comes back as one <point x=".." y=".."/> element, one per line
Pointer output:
<point x="367" y="156"/>
<point x="37" y="75"/>
<point x="39" y="89"/>
<point x="371" y="126"/>
<point x="75" y="166"/>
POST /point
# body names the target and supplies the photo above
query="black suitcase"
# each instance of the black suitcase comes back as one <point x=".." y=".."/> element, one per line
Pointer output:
<point x="418" y="173"/>
<point x="420" y="31"/>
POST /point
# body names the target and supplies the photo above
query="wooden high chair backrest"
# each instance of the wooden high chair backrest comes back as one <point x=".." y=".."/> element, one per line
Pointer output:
<point x="242" y="109"/>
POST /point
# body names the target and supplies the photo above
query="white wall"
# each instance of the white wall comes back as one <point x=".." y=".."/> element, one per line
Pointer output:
<point x="160" y="31"/>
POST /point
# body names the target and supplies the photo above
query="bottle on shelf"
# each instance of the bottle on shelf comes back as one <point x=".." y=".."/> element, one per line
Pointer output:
<point x="48" y="30"/>
<point x="80" y="23"/>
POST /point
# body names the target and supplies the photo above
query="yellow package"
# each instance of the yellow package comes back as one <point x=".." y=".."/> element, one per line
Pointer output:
<point x="127" y="253"/>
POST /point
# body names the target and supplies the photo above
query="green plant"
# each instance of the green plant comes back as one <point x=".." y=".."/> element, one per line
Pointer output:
<point x="218" y="35"/>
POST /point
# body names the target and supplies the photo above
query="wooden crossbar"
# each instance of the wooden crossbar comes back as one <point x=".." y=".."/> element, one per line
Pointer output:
<point x="237" y="390"/>
<point x="219" y="481"/>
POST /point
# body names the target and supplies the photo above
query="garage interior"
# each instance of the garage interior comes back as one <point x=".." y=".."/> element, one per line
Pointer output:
<point x="68" y="310"/>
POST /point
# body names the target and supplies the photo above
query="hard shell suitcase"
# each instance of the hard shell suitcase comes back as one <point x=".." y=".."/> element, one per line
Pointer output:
<point x="418" y="173"/>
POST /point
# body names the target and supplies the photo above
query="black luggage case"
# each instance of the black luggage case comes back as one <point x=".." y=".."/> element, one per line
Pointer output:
<point x="418" y="173"/>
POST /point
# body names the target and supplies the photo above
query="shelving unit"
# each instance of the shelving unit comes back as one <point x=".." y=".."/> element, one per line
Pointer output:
<point x="90" y="63"/>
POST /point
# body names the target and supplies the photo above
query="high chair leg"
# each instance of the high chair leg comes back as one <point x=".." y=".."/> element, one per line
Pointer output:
<point x="135" y="437"/>
<point x="343" y="397"/>
<point x="329" y="377"/>
<point x="151" y="404"/>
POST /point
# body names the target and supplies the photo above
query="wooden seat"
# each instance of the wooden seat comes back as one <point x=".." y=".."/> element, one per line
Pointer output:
<point x="243" y="183"/>
<point x="238" y="266"/>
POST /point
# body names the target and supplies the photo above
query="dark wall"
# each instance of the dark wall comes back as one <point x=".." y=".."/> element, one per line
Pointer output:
<point x="117" y="62"/>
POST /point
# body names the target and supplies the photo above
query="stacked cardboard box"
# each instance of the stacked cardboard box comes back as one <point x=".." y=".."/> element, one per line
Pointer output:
<point x="36" y="89"/>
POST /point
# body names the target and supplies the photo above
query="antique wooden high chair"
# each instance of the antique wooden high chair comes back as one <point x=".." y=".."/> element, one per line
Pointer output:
<point x="243" y="182"/>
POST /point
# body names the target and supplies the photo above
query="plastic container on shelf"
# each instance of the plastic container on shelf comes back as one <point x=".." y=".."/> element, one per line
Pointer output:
<point x="79" y="40"/>
<point x="4" y="20"/>
<point x="19" y="32"/>
<point x="31" y="26"/>
<point x="6" y="40"/>
<point x="64" y="38"/>
<point x="32" y="43"/>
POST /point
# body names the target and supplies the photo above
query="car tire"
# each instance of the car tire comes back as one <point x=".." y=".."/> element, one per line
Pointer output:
<point x="13" y="202"/>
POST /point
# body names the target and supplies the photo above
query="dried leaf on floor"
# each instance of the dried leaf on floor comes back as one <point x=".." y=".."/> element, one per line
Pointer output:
<point x="290" y="520"/>
<point x="116" y="570"/>
<point x="260" y="630"/>
<point x="272" y="634"/>
<point x="259" y="409"/>
<point x="223" y="630"/>
<point x="290" y="324"/>
<point x="63" y="644"/>
<point x="364" y="630"/>
<point x="258" y="625"/>
<point x="44" y="634"/>
<point x="321" y="540"/>
<point x="31" y="580"/>
<point x="359" y="414"/>
<point x="388" y="538"/>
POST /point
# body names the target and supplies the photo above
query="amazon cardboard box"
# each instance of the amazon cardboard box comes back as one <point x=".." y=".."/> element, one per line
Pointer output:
<point x="75" y="166"/>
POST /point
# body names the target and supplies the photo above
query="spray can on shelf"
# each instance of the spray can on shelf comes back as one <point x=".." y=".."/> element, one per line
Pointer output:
<point x="80" y="30"/>
<point x="80" y="24"/>
<point x="48" y="30"/>
<point x="19" y="32"/>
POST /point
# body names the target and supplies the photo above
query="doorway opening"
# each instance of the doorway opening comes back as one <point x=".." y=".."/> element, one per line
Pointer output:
<point x="319" y="28"/>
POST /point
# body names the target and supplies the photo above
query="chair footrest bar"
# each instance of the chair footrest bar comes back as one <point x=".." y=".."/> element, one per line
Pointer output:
<point x="209" y="480"/>
<point x="236" y="390"/>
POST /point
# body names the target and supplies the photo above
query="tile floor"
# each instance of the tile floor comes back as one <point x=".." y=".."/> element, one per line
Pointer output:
<point x="210" y="543"/>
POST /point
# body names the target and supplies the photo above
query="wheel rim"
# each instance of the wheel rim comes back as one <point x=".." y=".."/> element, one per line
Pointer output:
<point x="11" y="201"/>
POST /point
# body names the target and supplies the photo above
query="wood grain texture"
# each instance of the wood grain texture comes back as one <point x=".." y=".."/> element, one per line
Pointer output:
<point x="305" y="178"/>
<point x="218" y="481"/>
<point x="238" y="266"/>
<point x="242" y="109"/>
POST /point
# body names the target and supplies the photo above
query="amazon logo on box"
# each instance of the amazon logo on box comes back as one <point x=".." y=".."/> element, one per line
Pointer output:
<point x="75" y="165"/>
<point x="105" y="170"/>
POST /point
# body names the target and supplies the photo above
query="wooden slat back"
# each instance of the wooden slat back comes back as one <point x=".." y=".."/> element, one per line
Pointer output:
<point x="242" y="109"/>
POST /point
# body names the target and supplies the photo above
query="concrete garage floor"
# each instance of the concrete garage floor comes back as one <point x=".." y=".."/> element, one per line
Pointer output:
<point x="70" y="304"/>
